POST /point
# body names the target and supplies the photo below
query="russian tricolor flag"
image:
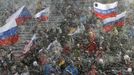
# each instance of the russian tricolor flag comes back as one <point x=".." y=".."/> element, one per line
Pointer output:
<point x="28" y="46"/>
<point x="8" y="34"/>
<point x="111" y="22"/>
<point x="20" y="16"/>
<point x="103" y="11"/>
<point x="43" y="14"/>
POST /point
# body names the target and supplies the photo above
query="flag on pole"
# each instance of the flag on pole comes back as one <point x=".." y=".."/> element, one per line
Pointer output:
<point x="28" y="46"/>
<point x="103" y="11"/>
<point x="8" y="34"/>
<point x="110" y="23"/>
<point x="43" y="14"/>
<point x="21" y="15"/>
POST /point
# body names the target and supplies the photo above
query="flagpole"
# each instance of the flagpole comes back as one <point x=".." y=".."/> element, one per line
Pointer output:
<point x="28" y="46"/>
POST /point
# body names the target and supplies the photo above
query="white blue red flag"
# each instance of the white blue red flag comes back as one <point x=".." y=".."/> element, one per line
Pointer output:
<point x="114" y="19"/>
<point x="103" y="11"/>
<point x="8" y="34"/>
<point x="21" y="15"/>
<point x="43" y="14"/>
<point x="28" y="46"/>
<point x="111" y="22"/>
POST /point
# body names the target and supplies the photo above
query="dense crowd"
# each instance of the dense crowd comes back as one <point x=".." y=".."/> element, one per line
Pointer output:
<point x="72" y="56"/>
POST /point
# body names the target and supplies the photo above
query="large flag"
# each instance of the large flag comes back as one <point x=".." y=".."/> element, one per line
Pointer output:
<point x="43" y="14"/>
<point x="8" y="34"/>
<point x="28" y="46"/>
<point x="110" y="23"/>
<point x="103" y="11"/>
<point x="21" y="15"/>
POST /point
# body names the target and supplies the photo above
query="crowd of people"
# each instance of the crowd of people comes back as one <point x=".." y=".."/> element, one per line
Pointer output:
<point x="67" y="55"/>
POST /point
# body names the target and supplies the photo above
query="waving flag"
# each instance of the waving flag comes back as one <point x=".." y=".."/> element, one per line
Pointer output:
<point x="103" y="11"/>
<point x="111" y="22"/>
<point x="20" y="16"/>
<point x="8" y="34"/>
<point x="43" y="15"/>
<point x="28" y="46"/>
